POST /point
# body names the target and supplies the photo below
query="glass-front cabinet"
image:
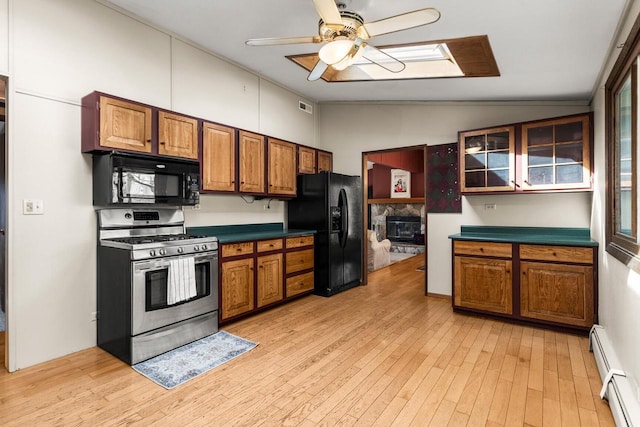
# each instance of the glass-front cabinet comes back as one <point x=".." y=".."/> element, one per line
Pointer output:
<point x="487" y="157"/>
<point x="544" y="155"/>
<point x="556" y="154"/>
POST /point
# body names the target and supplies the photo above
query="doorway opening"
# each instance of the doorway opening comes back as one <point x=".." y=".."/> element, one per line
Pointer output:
<point x="395" y="215"/>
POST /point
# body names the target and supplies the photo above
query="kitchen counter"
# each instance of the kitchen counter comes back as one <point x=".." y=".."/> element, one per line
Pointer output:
<point x="534" y="235"/>
<point x="247" y="232"/>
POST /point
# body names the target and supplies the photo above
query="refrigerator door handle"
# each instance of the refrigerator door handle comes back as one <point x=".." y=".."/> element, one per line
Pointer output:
<point x="344" y="210"/>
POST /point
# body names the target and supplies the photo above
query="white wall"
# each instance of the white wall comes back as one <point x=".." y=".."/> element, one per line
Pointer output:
<point x="619" y="290"/>
<point x="348" y="129"/>
<point x="57" y="52"/>
<point x="4" y="37"/>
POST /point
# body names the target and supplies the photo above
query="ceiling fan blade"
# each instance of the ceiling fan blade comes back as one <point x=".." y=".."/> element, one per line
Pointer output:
<point x="382" y="59"/>
<point x="283" y="40"/>
<point x="402" y="22"/>
<point x="317" y="71"/>
<point x="328" y="11"/>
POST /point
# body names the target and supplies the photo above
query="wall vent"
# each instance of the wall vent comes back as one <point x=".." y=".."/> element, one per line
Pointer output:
<point x="616" y="388"/>
<point x="307" y="108"/>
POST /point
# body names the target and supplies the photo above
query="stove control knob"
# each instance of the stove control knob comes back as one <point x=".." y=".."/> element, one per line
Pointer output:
<point x="196" y="248"/>
<point x="204" y="247"/>
<point x="180" y="250"/>
<point x="152" y="252"/>
<point x="162" y="252"/>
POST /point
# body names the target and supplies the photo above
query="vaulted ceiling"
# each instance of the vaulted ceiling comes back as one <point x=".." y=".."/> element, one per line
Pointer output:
<point x="544" y="50"/>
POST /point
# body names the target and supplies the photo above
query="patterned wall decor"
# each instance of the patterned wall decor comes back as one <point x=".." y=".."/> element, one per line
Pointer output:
<point x="443" y="185"/>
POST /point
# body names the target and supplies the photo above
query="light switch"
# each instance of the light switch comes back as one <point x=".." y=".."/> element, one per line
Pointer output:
<point x="32" y="207"/>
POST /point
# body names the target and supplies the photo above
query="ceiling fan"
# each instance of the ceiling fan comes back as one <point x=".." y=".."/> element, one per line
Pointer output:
<point x="347" y="34"/>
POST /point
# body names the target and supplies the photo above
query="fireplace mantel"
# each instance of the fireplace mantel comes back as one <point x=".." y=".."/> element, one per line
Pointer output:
<point x="396" y="200"/>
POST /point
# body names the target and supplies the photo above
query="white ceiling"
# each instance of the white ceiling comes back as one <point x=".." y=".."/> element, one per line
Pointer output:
<point x="545" y="49"/>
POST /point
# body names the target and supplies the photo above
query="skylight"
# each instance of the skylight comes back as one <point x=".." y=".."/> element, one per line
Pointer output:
<point x="463" y="57"/>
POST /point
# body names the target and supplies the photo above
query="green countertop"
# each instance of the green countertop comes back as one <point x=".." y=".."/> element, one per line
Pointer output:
<point x="247" y="232"/>
<point x="536" y="235"/>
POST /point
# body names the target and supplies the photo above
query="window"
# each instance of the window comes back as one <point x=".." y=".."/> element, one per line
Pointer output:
<point x="622" y="115"/>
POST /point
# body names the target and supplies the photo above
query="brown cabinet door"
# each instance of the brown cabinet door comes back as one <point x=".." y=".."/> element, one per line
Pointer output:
<point x="483" y="284"/>
<point x="177" y="135"/>
<point x="237" y="293"/>
<point x="487" y="160"/>
<point x="218" y="158"/>
<point x="557" y="293"/>
<point x="251" y="162"/>
<point x="270" y="286"/>
<point x="306" y="160"/>
<point x="325" y="161"/>
<point x="556" y="154"/>
<point x="282" y="167"/>
<point x="125" y="125"/>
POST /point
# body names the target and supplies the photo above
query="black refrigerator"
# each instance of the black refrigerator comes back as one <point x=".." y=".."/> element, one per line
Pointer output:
<point x="331" y="204"/>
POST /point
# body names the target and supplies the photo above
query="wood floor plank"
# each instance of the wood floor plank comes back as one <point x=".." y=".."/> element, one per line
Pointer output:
<point x="374" y="355"/>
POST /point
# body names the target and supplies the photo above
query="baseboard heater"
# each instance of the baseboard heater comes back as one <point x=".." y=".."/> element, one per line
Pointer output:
<point x="616" y="387"/>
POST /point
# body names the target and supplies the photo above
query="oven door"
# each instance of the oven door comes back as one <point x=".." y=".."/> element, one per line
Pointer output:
<point x="150" y="309"/>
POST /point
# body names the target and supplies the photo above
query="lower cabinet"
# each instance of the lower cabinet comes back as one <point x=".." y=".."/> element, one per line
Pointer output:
<point x="259" y="274"/>
<point x="483" y="284"/>
<point x="269" y="289"/>
<point x="236" y="287"/>
<point x="554" y="285"/>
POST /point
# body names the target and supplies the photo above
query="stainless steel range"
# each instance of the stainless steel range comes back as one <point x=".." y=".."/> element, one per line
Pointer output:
<point x="157" y="285"/>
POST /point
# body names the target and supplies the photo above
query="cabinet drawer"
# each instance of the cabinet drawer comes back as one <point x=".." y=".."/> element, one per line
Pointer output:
<point x="300" y="260"/>
<point x="269" y="245"/>
<point x="464" y="247"/>
<point x="235" y="249"/>
<point x="300" y="283"/>
<point x="297" y="242"/>
<point x="570" y="254"/>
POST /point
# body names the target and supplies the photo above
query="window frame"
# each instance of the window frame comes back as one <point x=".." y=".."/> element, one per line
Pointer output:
<point x="623" y="247"/>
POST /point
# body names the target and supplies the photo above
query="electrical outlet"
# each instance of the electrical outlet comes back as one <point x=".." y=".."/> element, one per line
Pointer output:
<point x="490" y="207"/>
<point x="32" y="207"/>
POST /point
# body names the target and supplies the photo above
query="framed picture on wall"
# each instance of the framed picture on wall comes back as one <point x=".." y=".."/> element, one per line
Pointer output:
<point x="400" y="183"/>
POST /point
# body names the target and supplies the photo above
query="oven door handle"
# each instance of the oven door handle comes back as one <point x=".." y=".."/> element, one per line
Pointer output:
<point x="160" y="263"/>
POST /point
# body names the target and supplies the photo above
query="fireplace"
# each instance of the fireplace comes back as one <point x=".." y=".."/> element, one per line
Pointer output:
<point x="403" y="228"/>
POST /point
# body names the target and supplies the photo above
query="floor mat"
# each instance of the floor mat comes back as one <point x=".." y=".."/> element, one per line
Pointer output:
<point x="184" y="363"/>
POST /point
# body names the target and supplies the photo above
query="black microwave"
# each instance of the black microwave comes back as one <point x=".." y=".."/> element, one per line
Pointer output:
<point x="133" y="179"/>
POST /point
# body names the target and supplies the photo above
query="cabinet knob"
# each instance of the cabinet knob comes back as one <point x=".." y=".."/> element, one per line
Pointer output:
<point x="161" y="142"/>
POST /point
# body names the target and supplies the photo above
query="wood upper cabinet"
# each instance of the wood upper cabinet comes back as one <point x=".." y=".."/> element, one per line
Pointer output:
<point x="218" y="158"/>
<point x="306" y="160"/>
<point x="251" y="162"/>
<point x="270" y="279"/>
<point x="481" y="281"/>
<point x="122" y="125"/>
<point x="177" y="135"/>
<point x="324" y="161"/>
<point x="487" y="160"/>
<point x="281" y="167"/>
<point x="556" y="154"/>
<point x="237" y="288"/>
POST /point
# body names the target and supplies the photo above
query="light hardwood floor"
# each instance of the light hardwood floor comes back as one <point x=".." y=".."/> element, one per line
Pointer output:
<point x="382" y="354"/>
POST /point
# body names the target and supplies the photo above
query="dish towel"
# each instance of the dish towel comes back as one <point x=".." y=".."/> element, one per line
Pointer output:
<point x="181" y="283"/>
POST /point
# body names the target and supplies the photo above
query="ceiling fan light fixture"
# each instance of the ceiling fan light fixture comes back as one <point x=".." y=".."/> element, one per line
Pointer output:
<point x="336" y="51"/>
<point x="352" y="57"/>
